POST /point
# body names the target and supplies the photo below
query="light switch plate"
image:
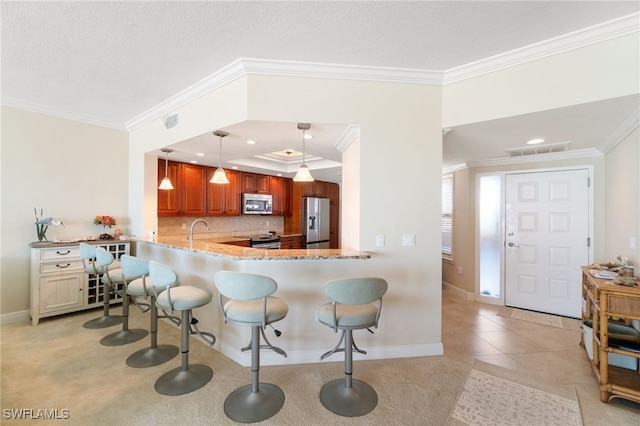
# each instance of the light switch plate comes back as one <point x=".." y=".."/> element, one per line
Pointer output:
<point x="380" y="240"/>
<point x="408" y="240"/>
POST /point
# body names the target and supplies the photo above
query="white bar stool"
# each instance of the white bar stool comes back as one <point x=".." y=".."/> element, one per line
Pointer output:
<point x="127" y="273"/>
<point x="246" y="299"/>
<point x="141" y="288"/>
<point x="355" y="304"/>
<point x="186" y="378"/>
<point x="91" y="267"/>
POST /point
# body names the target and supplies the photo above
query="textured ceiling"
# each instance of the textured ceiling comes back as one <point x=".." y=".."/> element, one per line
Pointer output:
<point x="110" y="62"/>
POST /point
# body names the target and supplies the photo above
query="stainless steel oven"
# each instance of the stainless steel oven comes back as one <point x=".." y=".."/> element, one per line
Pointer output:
<point x="267" y="241"/>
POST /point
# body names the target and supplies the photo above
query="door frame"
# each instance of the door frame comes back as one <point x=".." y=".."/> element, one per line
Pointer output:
<point x="502" y="174"/>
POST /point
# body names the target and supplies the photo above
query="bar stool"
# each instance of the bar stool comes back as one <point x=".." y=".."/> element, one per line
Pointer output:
<point x="246" y="299"/>
<point x="129" y="272"/>
<point x="355" y="304"/>
<point x="186" y="378"/>
<point x="91" y="267"/>
<point x="141" y="288"/>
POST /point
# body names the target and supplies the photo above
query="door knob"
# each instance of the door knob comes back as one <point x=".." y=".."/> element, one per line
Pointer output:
<point x="513" y="245"/>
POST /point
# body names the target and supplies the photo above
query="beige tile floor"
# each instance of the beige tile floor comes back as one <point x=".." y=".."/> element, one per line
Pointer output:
<point x="472" y="330"/>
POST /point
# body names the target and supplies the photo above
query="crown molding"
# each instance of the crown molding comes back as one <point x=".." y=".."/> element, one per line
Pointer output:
<point x="630" y="123"/>
<point x="534" y="158"/>
<point x="248" y="66"/>
<point x="208" y="84"/>
<point x="60" y="113"/>
<point x="591" y="35"/>
<point x="245" y="66"/>
<point x="350" y="135"/>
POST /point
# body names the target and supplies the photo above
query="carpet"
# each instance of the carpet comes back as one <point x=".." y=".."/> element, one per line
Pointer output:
<point x="539" y="318"/>
<point x="492" y="395"/>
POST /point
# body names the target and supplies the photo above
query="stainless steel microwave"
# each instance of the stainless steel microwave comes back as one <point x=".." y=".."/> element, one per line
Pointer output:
<point x="257" y="204"/>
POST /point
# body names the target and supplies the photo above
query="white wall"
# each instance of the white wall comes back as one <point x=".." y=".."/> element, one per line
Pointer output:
<point x="73" y="171"/>
<point x="601" y="71"/>
<point x="400" y="158"/>
<point x="622" y="200"/>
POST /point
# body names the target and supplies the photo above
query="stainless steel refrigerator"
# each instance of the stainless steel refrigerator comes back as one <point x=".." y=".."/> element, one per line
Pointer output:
<point x="315" y="222"/>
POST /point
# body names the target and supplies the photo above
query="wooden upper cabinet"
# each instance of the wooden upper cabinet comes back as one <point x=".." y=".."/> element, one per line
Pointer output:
<point x="192" y="186"/>
<point x="168" y="199"/>
<point x="188" y="196"/>
<point x="280" y="189"/>
<point x="255" y="184"/>
<point x="223" y="199"/>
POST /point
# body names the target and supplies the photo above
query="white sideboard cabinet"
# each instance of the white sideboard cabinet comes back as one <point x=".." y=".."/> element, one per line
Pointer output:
<point x="59" y="284"/>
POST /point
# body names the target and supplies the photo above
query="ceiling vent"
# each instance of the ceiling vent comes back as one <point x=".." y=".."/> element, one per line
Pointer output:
<point x="538" y="149"/>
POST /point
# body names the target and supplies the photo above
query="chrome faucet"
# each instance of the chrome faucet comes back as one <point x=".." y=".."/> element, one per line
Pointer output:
<point x="194" y="224"/>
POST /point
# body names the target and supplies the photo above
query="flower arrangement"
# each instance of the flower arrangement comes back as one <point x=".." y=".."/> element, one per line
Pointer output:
<point x="106" y="221"/>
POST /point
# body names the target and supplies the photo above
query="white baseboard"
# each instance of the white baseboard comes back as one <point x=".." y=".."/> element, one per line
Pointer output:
<point x="14" y="317"/>
<point x="312" y="357"/>
<point x="460" y="292"/>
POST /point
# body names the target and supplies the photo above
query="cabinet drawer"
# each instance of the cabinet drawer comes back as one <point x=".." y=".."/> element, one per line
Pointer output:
<point x="60" y="253"/>
<point x="63" y="265"/>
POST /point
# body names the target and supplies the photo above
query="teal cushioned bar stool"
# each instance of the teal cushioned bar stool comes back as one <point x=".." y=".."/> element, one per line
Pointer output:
<point x="246" y="299"/>
<point x="91" y="267"/>
<point x="186" y="378"/>
<point x="355" y="304"/>
<point x="128" y="273"/>
<point x="141" y="288"/>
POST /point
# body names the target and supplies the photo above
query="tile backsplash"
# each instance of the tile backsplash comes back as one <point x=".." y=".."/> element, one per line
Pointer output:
<point x="232" y="226"/>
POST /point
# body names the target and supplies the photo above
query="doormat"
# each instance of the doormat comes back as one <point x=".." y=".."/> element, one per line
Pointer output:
<point x="539" y="318"/>
<point x="493" y="395"/>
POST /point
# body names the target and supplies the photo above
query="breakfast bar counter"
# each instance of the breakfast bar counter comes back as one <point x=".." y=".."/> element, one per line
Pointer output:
<point x="300" y="275"/>
<point x="222" y="247"/>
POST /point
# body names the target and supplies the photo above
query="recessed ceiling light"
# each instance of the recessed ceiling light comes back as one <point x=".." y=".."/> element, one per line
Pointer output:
<point x="200" y="154"/>
<point x="251" y="142"/>
<point x="535" y="141"/>
<point x="193" y="162"/>
<point x="234" y="167"/>
<point x="307" y="136"/>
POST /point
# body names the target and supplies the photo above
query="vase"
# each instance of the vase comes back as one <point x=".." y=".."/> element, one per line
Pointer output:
<point x="41" y="230"/>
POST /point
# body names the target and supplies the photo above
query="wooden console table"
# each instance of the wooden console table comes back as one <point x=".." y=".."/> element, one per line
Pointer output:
<point x="603" y="301"/>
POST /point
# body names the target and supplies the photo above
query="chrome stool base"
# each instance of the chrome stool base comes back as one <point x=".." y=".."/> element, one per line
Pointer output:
<point x="103" y="322"/>
<point x="150" y="357"/>
<point x="357" y="400"/>
<point x="123" y="337"/>
<point x="179" y="382"/>
<point x="246" y="406"/>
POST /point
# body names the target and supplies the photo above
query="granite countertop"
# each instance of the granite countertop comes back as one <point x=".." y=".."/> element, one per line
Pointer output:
<point x="59" y="243"/>
<point x="216" y="247"/>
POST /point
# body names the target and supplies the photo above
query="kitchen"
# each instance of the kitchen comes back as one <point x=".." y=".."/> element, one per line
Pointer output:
<point x="396" y="154"/>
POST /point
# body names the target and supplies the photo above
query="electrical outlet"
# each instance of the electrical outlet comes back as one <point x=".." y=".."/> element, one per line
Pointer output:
<point x="632" y="243"/>
<point x="459" y="270"/>
<point x="408" y="240"/>
<point x="184" y="226"/>
<point x="380" y="240"/>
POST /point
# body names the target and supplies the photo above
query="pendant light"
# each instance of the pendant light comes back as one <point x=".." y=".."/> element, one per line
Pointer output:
<point x="220" y="176"/>
<point x="303" y="175"/>
<point x="166" y="182"/>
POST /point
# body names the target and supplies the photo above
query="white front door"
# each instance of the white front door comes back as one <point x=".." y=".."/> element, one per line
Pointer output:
<point x="546" y="240"/>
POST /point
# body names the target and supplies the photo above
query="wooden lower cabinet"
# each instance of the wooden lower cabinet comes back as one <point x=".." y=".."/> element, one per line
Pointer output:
<point x="291" y="242"/>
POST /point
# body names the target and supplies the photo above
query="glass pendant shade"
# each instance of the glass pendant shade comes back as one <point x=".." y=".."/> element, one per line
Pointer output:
<point x="166" y="182"/>
<point x="219" y="176"/>
<point x="303" y="174"/>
